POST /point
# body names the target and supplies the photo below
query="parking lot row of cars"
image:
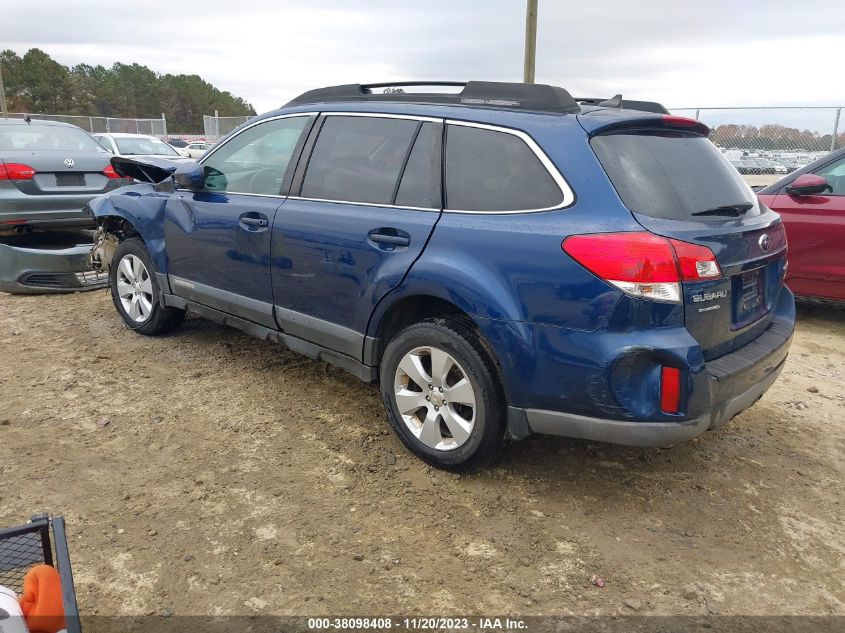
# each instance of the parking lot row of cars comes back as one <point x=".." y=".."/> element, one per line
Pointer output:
<point x="752" y="163"/>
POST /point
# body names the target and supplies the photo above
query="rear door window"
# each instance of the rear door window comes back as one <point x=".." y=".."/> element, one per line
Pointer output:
<point x="358" y="159"/>
<point x="674" y="176"/>
<point x="490" y="170"/>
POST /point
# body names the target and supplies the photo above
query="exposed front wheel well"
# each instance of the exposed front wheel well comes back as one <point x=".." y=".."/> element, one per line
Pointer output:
<point x="120" y="227"/>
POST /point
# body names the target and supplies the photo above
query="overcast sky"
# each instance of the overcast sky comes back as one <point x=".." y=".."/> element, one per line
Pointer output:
<point x="679" y="52"/>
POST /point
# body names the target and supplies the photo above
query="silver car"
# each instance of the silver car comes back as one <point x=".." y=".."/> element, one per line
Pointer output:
<point x="139" y="146"/>
<point x="48" y="172"/>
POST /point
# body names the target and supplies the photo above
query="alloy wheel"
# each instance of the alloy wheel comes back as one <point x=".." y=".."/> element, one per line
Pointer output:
<point x="135" y="288"/>
<point x="435" y="398"/>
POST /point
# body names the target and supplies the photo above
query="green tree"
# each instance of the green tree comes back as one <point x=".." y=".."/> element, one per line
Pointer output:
<point x="36" y="83"/>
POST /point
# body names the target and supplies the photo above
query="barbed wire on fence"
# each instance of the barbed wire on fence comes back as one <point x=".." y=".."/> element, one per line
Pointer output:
<point x="101" y="124"/>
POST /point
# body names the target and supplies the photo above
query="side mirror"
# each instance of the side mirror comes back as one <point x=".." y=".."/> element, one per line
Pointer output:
<point x="189" y="175"/>
<point x="808" y="185"/>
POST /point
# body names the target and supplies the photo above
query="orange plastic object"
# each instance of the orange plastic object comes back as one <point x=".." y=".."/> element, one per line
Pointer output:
<point x="41" y="600"/>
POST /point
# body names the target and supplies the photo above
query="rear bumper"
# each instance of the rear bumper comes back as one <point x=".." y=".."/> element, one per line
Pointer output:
<point x="648" y="433"/>
<point x="720" y="390"/>
<point x="47" y="263"/>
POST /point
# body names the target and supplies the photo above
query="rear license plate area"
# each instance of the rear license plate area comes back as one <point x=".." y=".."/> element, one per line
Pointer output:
<point x="749" y="292"/>
<point x="70" y="180"/>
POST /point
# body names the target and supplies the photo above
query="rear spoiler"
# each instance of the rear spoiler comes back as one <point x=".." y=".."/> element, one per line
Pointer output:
<point x="625" y="104"/>
<point x="598" y="122"/>
<point x="152" y="170"/>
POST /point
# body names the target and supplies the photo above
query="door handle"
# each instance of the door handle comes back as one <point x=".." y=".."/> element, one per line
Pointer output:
<point x="252" y="221"/>
<point x="387" y="238"/>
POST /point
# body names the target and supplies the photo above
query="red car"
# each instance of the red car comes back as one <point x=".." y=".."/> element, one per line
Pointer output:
<point x="811" y="202"/>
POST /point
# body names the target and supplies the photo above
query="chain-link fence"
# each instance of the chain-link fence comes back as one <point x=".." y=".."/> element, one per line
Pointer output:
<point x="93" y="124"/>
<point x="812" y="129"/>
<point x="217" y="126"/>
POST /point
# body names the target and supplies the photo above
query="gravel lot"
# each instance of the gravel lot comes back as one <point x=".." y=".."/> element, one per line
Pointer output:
<point x="236" y="477"/>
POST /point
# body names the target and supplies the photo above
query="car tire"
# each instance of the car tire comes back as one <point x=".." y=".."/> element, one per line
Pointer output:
<point x="135" y="291"/>
<point x="443" y="394"/>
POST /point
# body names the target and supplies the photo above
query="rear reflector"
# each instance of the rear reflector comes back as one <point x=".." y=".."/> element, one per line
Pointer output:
<point x="642" y="264"/>
<point x="670" y="389"/>
<point x="15" y="171"/>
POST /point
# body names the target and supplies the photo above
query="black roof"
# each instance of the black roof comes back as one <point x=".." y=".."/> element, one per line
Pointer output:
<point x="535" y="97"/>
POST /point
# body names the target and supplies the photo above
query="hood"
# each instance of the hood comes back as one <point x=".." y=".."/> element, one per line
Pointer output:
<point x="144" y="168"/>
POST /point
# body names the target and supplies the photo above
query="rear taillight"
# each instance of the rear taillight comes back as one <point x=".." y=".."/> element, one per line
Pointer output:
<point x="643" y="264"/>
<point x="16" y="171"/>
<point x="670" y="389"/>
<point x="109" y="172"/>
<point x="696" y="262"/>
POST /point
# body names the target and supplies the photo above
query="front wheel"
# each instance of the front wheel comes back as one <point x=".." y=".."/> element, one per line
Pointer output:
<point x="135" y="291"/>
<point x="443" y="394"/>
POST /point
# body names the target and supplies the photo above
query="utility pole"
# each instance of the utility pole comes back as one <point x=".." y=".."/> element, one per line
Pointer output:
<point x="530" y="40"/>
<point x="3" y="96"/>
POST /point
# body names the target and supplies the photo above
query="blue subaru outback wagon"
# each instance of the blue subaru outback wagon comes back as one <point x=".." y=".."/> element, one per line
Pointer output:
<point x="504" y="260"/>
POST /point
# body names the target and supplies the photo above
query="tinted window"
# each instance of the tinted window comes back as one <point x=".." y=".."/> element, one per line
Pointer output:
<point x="488" y="170"/>
<point x="420" y="186"/>
<point x="255" y="160"/>
<point x="35" y="137"/>
<point x="835" y="174"/>
<point x="673" y="176"/>
<point x="358" y="159"/>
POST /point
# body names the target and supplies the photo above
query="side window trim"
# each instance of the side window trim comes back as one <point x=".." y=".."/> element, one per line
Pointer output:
<point x="568" y="196"/>
<point x="295" y="156"/>
<point x="404" y="166"/>
<point x="305" y="158"/>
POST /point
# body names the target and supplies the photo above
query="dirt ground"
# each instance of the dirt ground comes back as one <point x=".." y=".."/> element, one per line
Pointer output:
<point x="236" y="477"/>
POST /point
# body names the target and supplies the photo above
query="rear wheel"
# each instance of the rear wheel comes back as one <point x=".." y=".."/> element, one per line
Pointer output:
<point x="442" y="394"/>
<point x="135" y="291"/>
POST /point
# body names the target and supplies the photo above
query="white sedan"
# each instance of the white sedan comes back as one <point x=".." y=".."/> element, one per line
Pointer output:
<point x="197" y="148"/>
<point x="139" y="145"/>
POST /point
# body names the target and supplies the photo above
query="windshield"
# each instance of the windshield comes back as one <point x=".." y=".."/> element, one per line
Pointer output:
<point x="47" y="138"/>
<point x="674" y="176"/>
<point x="143" y="145"/>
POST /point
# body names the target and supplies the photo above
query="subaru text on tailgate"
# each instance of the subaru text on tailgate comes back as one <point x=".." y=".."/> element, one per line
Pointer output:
<point x="503" y="260"/>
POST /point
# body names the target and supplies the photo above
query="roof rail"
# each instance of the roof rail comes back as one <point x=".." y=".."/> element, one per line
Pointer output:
<point x="536" y="97"/>
<point x="628" y="104"/>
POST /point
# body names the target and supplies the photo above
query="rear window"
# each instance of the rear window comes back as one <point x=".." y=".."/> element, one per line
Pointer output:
<point x="673" y="176"/>
<point x="34" y="137"/>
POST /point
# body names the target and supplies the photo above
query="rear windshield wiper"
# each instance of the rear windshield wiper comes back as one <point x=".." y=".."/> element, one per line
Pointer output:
<point x="727" y="209"/>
